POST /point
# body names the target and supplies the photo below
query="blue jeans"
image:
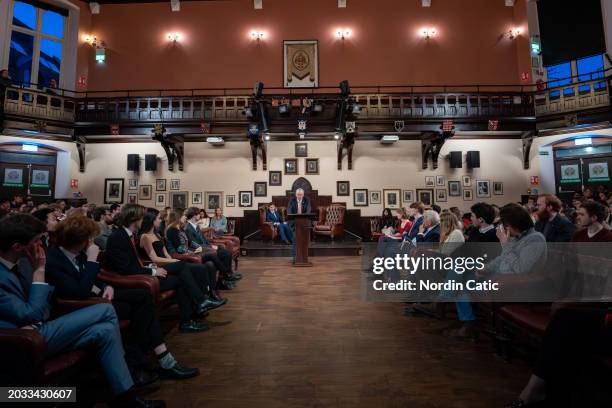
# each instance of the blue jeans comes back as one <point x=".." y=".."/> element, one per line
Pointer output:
<point x="95" y="326"/>
<point x="462" y="299"/>
<point x="285" y="232"/>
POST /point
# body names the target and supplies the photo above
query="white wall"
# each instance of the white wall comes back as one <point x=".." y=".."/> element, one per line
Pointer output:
<point x="228" y="169"/>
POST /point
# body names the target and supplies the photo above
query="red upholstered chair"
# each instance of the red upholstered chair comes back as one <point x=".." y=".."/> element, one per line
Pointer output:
<point x="331" y="221"/>
<point x="375" y="228"/>
<point x="267" y="228"/>
<point x="24" y="351"/>
<point x="229" y="244"/>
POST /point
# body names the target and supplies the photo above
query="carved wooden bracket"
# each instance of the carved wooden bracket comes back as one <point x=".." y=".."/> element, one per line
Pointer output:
<point x="347" y="142"/>
<point x="80" y="142"/>
<point x="256" y="145"/>
<point x="527" y="139"/>
<point x="170" y="154"/>
<point x="426" y="148"/>
<point x="179" y="152"/>
<point x="431" y="145"/>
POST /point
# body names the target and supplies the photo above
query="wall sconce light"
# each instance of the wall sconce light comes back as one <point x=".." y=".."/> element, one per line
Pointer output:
<point x="428" y="33"/>
<point x="174" y="37"/>
<point x="257" y="35"/>
<point x="513" y="33"/>
<point x="93" y="41"/>
<point x="343" y="33"/>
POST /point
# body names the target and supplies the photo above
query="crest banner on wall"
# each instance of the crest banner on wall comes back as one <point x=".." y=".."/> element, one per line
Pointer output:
<point x="301" y="64"/>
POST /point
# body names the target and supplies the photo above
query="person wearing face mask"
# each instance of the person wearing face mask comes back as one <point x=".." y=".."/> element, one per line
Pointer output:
<point x="554" y="226"/>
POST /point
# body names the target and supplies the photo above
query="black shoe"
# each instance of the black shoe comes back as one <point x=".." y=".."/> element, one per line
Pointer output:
<point x="137" y="402"/>
<point x="233" y="277"/>
<point x="215" y="296"/>
<point x="466" y="332"/>
<point x="207" y="305"/>
<point x="226" y="285"/>
<point x="192" y="327"/>
<point x="142" y="378"/>
<point x="178" y="372"/>
<point x="200" y="314"/>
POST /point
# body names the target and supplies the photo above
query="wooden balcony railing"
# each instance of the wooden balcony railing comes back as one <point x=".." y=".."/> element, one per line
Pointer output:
<point x="41" y="105"/>
<point x="385" y="102"/>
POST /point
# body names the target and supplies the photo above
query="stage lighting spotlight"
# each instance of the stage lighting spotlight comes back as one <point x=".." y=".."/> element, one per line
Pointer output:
<point x="336" y="135"/>
<point x="267" y="136"/>
<point x="248" y="112"/>
<point x="356" y="109"/>
<point x="345" y="90"/>
<point x="317" y="107"/>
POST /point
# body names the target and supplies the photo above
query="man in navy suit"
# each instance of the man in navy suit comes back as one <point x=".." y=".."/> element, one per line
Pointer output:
<point x="221" y="257"/>
<point x="24" y="304"/>
<point x="274" y="216"/>
<point x="299" y="204"/>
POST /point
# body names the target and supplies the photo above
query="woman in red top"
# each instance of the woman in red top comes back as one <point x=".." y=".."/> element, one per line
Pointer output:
<point x="404" y="225"/>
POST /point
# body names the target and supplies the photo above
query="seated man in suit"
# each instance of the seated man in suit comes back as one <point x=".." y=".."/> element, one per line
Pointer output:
<point x="24" y="303"/>
<point x="554" y="226"/>
<point x="122" y="257"/>
<point x="73" y="269"/>
<point x="274" y="216"/>
<point x="429" y="230"/>
<point x="221" y="257"/>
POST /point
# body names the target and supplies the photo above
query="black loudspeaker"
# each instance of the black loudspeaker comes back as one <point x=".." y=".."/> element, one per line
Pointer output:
<point x="473" y="159"/>
<point x="133" y="162"/>
<point x="150" y="162"/>
<point x="455" y="160"/>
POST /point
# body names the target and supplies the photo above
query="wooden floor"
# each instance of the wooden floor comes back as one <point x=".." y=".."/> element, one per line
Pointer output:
<point x="302" y="337"/>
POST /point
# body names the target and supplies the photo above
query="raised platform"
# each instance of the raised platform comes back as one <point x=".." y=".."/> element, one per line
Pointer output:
<point x="322" y="247"/>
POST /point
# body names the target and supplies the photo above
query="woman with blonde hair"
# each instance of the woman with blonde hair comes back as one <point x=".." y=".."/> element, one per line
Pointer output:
<point x="451" y="233"/>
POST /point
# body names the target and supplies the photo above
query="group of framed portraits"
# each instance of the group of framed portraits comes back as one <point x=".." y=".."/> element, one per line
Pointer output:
<point x="291" y="166"/>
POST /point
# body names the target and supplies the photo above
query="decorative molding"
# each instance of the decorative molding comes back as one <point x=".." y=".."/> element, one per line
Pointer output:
<point x="527" y="141"/>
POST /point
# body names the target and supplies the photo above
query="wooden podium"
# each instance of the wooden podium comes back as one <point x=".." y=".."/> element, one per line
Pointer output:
<point x="303" y="225"/>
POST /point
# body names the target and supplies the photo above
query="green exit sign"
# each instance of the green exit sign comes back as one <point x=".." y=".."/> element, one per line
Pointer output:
<point x="543" y="152"/>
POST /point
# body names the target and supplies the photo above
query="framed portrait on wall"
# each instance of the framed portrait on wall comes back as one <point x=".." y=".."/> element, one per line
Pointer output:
<point x="301" y="64"/>
<point x="214" y="200"/>
<point x="483" y="188"/>
<point x="160" y="185"/>
<point x="343" y="188"/>
<point x="375" y="197"/>
<point x="133" y="184"/>
<point x="179" y="199"/>
<point x="467" y="181"/>
<point x="113" y="190"/>
<point x="407" y="197"/>
<point x="245" y="198"/>
<point x="312" y="166"/>
<point x="230" y="200"/>
<point x="454" y="188"/>
<point x="392" y="198"/>
<point x="301" y="150"/>
<point x="160" y="199"/>
<point x="145" y="192"/>
<point x="498" y="188"/>
<point x="467" y="194"/>
<point x="440" y="181"/>
<point x="261" y="189"/>
<point x="441" y="195"/>
<point x="132" y="198"/>
<point x="175" y="184"/>
<point x="291" y="166"/>
<point x="360" y="197"/>
<point x="196" y="198"/>
<point x="425" y="195"/>
<point x="276" y="178"/>
<point x="430" y="181"/>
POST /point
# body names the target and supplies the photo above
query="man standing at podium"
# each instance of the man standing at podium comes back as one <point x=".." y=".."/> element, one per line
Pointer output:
<point x="298" y="205"/>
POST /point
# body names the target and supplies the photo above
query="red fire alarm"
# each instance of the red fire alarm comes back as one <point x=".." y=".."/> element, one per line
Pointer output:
<point x="82" y="81"/>
<point x="74" y="183"/>
<point x="535" y="180"/>
<point x="525" y="76"/>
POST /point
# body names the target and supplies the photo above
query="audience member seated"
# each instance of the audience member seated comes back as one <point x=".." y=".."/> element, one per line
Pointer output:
<point x="219" y="227"/>
<point x="221" y="257"/>
<point x="451" y="233"/>
<point x="415" y="211"/>
<point x="24" y="304"/>
<point x="429" y="230"/>
<point x="274" y="217"/>
<point x="388" y="222"/>
<point x="591" y="217"/>
<point x="199" y="278"/>
<point x="72" y="268"/>
<point x="122" y="257"/>
<point x="178" y="244"/>
<point x="103" y="217"/>
<point x="47" y="216"/>
<point x="554" y="226"/>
